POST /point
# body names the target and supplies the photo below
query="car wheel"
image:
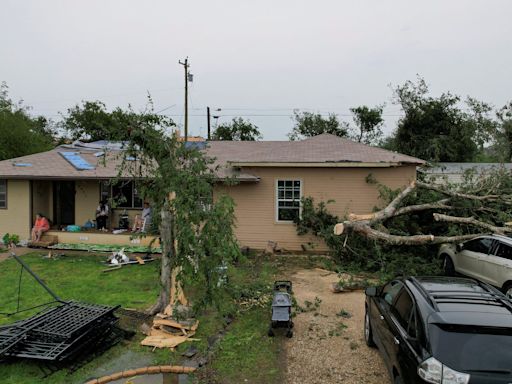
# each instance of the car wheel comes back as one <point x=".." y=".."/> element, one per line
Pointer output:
<point x="449" y="268"/>
<point x="507" y="290"/>
<point x="398" y="380"/>
<point x="368" y="334"/>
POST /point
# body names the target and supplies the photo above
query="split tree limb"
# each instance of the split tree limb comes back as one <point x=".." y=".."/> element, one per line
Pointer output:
<point x="363" y="224"/>
<point x="471" y="221"/>
<point x="504" y="199"/>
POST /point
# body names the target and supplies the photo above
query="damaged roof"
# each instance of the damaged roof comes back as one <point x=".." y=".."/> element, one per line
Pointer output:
<point x="86" y="160"/>
<point x="321" y="149"/>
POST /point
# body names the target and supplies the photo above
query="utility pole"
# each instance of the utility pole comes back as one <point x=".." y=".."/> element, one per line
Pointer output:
<point x="208" y="122"/>
<point x="185" y="66"/>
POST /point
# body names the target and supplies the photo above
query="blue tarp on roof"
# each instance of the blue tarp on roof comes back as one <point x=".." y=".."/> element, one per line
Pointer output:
<point x="77" y="161"/>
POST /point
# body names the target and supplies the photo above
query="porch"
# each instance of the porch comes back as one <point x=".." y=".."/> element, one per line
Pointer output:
<point x="96" y="240"/>
<point x="74" y="202"/>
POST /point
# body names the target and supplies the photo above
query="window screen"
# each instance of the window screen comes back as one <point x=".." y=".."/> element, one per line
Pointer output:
<point x="288" y="199"/>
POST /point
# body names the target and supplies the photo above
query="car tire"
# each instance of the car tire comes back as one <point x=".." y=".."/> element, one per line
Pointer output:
<point x="368" y="333"/>
<point x="448" y="267"/>
<point x="398" y="380"/>
<point x="507" y="290"/>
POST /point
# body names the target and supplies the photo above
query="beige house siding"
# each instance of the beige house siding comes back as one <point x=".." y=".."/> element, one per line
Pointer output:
<point x="16" y="218"/>
<point x="87" y="195"/>
<point x="256" y="202"/>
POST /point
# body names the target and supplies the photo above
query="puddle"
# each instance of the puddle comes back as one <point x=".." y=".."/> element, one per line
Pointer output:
<point x="162" y="378"/>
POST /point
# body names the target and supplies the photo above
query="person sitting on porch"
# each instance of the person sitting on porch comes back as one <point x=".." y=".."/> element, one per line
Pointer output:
<point x="102" y="215"/>
<point x="142" y="222"/>
<point x="41" y="225"/>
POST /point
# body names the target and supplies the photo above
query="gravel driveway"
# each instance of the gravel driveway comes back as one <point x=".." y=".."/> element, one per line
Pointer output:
<point x="328" y="344"/>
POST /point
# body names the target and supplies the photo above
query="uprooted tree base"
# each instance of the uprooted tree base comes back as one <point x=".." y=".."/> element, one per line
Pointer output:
<point x="422" y="214"/>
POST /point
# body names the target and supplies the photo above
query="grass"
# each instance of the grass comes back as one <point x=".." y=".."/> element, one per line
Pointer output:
<point x="244" y="352"/>
<point x="79" y="278"/>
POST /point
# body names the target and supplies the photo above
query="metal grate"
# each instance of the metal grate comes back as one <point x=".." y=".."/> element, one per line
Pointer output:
<point x="58" y="333"/>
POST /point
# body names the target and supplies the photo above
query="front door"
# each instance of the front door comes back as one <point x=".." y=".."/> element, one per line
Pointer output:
<point x="64" y="202"/>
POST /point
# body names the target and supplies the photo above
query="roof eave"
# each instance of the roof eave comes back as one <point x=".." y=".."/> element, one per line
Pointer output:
<point x="341" y="164"/>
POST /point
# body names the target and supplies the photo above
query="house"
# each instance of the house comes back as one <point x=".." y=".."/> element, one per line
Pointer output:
<point x="456" y="172"/>
<point x="272" y="178"/>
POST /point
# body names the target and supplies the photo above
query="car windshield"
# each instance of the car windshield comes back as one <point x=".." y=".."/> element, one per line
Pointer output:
<point x="472" y="348"/>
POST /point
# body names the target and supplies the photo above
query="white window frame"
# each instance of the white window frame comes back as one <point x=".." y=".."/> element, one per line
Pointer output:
<point x="277" y="199"/>
<point x="4" y="206"/>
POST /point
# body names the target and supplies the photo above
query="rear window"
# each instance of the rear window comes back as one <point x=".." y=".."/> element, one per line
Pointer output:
<point x="472" y="348"/>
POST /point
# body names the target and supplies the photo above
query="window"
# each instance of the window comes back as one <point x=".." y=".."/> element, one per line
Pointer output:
<point x="123" y="194"/>
<point x="404" y="312"/>
<point x="479" y="245"/>
<point x="288" y="199"/>
<point x="3" y="193"/>
<point x="504" y="251"/>
<point x="390" y="291"/>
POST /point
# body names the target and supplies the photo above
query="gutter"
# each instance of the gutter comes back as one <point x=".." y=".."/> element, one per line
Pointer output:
<point x="318" y="165"/>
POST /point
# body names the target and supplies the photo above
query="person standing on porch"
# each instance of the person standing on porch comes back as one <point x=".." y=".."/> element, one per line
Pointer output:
<point x="41" y="225"/>
<point x="102" y="215"/>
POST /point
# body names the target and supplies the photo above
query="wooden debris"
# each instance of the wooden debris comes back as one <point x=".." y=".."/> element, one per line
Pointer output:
<point x="168" y="333"/>
<point x="139" y="259"/>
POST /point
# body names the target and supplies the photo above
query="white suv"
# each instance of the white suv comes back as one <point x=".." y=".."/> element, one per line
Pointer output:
<point x="486" y="258"/>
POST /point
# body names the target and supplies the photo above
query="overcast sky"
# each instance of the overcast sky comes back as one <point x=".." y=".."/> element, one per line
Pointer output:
<point x="255" y="59"/>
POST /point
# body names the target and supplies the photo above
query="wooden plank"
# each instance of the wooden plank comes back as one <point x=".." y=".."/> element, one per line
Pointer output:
<point x="163" y="342"/>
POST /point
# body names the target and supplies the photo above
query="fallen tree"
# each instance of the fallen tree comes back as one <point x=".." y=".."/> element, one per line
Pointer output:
<point x="422" y="215"/>
<point x="365" y="225"/>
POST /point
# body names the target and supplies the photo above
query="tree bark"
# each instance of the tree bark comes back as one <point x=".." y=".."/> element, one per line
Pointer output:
<point x="471" y="221"/>
<point x="167" y="236"/>
<point x="364" y="224"/>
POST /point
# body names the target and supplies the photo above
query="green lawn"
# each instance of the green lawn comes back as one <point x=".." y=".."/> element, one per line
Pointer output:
<point x="244" y="351"/>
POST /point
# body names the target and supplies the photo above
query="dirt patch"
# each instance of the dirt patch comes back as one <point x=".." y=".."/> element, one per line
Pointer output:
<point x="328" y="344"/>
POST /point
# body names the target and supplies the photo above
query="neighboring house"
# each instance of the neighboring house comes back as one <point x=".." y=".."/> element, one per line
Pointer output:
<point x="272" y="178"/>
<point x="455" y="172"/>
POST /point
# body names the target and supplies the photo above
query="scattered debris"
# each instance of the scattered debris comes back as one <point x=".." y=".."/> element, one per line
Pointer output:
<point x="169" y="333"/>
<point x="106" y="248"/>
<point x="271" y="248"/>
<point x="119" y="258"/>
<point x="348" y="285"/>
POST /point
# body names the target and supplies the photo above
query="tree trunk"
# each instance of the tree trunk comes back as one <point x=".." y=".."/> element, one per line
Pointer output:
<point x="167" y="236"/>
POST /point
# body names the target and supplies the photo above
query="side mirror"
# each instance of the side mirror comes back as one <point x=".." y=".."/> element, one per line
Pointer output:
<point x="459" y="247"/>
<point x="371" y="291"/>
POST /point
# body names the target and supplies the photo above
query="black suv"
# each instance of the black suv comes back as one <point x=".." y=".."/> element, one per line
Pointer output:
<point x="443" y="330"/>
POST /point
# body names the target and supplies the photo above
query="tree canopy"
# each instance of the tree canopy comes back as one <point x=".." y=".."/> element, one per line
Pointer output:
<point x="437" y="129"/>
<point x="368" y="124"/>
<point x="308" y="124"/>
<point x="92" y="121"/>
<point x="237" y="130"/>
<point x="20" y="133"/>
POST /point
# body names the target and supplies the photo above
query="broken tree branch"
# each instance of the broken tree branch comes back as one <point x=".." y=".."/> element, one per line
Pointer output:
<point x="471" y="221"/>
<point x="504" y="199"/>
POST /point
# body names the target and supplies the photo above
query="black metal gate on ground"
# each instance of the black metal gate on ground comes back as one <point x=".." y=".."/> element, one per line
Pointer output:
<point x="61" y="333"/>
